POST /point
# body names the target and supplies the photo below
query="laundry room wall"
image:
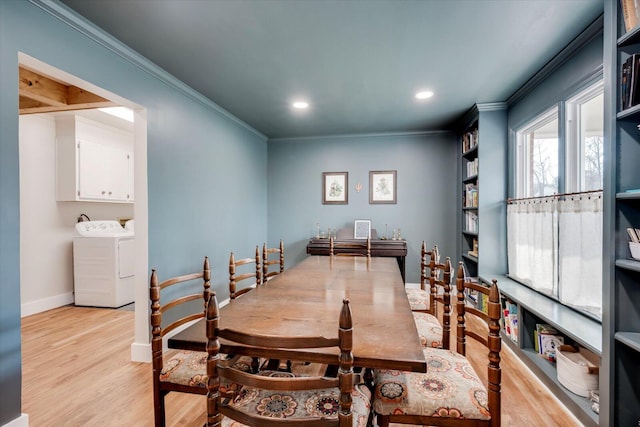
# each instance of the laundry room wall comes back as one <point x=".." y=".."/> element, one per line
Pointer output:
<point x="46" y="225"/>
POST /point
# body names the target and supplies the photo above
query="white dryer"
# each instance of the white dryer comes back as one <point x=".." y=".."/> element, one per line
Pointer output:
<point x="103" y="264"/>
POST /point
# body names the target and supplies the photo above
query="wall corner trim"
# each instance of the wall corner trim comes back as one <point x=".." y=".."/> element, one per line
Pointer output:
<point x="106" y="40"/>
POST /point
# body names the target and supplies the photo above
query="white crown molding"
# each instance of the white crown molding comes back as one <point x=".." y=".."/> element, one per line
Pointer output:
<point x="88" y="29"/>
<point x="361" y="135"/>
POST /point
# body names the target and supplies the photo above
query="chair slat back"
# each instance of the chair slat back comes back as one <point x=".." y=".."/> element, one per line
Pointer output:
<point x="267" y="262"/>
<point x="491" y="340"/>
<point x="185" y="312"/>
<point x="218" y="405"/>
<point x="240" y="284"/>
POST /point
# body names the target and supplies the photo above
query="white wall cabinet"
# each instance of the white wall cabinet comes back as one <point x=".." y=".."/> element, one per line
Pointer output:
<point x="94" y="161"/>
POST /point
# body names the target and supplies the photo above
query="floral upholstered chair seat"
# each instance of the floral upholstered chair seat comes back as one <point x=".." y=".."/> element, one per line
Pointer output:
<point x="190" y="368"/>
<point x="450" y="388"/>
<point x="429" y="330"/>
<point x="419" y="299"/>
<point x="299" y="404"/>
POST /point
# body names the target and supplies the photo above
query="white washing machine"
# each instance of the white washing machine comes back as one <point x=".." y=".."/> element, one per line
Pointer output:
<point x="103" y="264"/>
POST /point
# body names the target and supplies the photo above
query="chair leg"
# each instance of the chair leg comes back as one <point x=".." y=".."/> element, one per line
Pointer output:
<point x="383" y="420"/>
<point x="159" y="410"/>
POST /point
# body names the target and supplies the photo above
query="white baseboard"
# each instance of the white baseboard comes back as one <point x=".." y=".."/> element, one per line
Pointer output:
<point x="141" y="352"/>
<point x="21" y="421"/>
<point x="412" y="285"/>
<point x="44" y="304"/>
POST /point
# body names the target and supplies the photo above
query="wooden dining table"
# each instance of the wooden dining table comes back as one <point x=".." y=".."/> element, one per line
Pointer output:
<point x="305" y="300"/>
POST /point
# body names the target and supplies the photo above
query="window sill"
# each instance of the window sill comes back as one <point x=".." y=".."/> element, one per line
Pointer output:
<point x="581" y="328"/>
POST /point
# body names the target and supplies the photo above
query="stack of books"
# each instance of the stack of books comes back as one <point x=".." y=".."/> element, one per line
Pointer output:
<point x="547" y="339"/>
<point x="469" y="140"/>
<point x="470" y="196"/>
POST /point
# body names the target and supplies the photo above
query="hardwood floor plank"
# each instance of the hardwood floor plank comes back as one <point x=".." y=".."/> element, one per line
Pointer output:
<point x="77" y="372"/>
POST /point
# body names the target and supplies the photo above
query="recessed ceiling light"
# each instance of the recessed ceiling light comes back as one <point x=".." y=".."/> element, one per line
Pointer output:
<point x="424" y="94"/>
<point x="301" y="105"/>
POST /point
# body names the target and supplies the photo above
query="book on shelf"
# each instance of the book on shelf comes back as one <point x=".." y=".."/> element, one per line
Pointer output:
<point x="510" y="319"/>
<point x="547" y="339"/>
<point x="470" y="196"/>
<point x="472" y="168"/>
<point x="630" y="82"/>
<point x="471" y="222"/>
<point x="630" y="11"/>
<point x="469" y="140"/>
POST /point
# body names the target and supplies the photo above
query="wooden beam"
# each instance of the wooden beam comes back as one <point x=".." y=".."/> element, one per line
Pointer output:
<point x="42" y="94"/>
<point x="42" y="89"/>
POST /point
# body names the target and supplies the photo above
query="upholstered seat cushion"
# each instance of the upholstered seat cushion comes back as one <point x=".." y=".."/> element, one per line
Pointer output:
<point x="418" y="299"/>
<point x="450" y="388"/>
<point x="429" y="329"/>
<point x="299" y="404"/>
<point x="190" y="367"/>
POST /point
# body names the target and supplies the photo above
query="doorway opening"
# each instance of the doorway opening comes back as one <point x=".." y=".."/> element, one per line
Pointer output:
<point x="47" y="221"/>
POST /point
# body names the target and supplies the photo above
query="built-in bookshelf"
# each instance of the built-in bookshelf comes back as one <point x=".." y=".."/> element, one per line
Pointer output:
<point x="620" y="376"/>
<point x="483" y="146"/>
<point x="527" y="314"/>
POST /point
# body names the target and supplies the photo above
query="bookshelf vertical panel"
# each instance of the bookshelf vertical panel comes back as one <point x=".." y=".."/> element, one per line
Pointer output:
<point x="483" y="161"/>
<point x="620" y="373"/>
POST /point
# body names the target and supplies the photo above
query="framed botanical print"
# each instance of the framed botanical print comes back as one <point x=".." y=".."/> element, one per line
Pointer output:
<point x="335" y="188"/>
<point x="382" y="187"/>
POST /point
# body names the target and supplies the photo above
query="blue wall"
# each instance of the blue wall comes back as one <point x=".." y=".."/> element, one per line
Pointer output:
<point x="206" y="171"/>
<point x="426" y="178"/>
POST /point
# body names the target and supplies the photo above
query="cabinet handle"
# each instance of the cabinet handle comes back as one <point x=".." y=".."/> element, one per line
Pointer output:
<point x="103" y="192"/>
<point x="109" y="192"/>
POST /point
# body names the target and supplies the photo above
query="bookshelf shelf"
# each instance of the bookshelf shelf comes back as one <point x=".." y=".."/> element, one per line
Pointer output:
<point x="470" y="233"/>
<point x="628" y="264"/>
<point x="628" y="195"/>
<point x="630" y="37"/>
<point x="630" y="339"/>
<point x="619" y="393"/>
<point x="630" y="112"/>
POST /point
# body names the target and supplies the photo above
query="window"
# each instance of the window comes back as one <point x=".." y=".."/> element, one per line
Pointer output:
<point x="538" y="157"/>
<point x="585" y="129"/>
<point x="555" y="235"/>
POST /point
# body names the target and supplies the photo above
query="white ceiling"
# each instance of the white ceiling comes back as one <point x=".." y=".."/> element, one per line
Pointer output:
<point x="358" y="63"/>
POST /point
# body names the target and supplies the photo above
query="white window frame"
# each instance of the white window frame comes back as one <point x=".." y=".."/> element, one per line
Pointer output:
<point x="522" y="151"/>
<point x="575" y="156"/>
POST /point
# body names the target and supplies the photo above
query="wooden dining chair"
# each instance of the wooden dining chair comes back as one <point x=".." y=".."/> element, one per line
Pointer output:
<point x="183" y="371"/>
<point x="420" y="298"/>
<point x="240" y="284"/>
<point x="273" y="398"/>
<point x="350" y="247"/>
<point x="432" y="332"/>
<point x="267" y="262"/>
<point x="450" y="393"/>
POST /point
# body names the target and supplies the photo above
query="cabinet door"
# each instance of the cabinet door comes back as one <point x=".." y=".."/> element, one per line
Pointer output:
<point x="104" y="172"/>
<point x="93" y="165"/>
<point x="120" y="175"/>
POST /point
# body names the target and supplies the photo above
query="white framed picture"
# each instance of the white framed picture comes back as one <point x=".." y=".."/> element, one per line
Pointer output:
<point x="362" y="229"/>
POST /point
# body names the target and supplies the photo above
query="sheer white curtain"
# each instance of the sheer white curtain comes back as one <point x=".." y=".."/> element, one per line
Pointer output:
<point x="580" y="253"/>
<point x="532" y="239"/>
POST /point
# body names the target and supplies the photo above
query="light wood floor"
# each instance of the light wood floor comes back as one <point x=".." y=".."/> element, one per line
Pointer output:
<point x="77" y="372"/>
